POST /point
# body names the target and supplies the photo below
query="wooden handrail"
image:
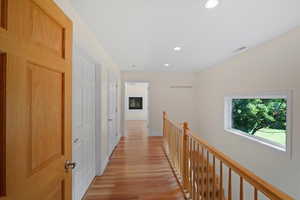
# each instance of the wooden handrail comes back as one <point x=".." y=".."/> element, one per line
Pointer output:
<point x="269" y="190"/>
<point x="198" y="174"/>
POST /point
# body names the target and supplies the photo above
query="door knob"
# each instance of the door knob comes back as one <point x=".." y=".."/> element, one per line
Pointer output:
<point x="70" y="165"/>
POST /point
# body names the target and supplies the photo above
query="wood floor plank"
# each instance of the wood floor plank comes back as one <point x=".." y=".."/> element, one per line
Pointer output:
<point x="138" y="170"/>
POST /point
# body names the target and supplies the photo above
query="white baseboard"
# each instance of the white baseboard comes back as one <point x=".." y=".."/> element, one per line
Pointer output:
<point x="103" y="166"/>
<point x="106" y="160"/>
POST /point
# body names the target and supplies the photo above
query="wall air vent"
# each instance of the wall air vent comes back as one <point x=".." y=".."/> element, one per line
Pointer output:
<point x="181" y="86"/>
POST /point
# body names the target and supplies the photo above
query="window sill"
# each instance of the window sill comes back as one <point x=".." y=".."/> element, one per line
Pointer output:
<point x="257" y="139"/>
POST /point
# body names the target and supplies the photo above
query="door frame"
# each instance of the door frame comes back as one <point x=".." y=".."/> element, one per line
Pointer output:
<point x="112" y="75"/>
<point x="124" y="105"/>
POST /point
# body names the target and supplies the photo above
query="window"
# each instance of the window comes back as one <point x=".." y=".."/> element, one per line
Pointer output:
<point x="261" y="118"/>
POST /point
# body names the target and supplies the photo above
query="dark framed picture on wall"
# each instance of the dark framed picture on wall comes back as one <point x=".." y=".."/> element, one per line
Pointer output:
<point x="135" y="103"/>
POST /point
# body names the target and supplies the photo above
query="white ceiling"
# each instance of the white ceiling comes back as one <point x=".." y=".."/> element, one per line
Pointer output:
<point x="144" y="32"/>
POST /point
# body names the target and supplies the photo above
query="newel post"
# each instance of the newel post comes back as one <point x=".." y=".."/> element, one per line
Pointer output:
<point x="164" y="124"/>
<point x="185" y="155"/>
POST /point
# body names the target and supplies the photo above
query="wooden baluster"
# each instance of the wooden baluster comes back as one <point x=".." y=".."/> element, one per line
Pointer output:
<point x="194" y="170"/>
<point x="184" y="140"/>
<point x="175" y="146"/>
<point x="191" y="167"/>
<point x="185" y="155"/>
<point x="255" y="194"/>
<point x="169" y="137"/>
<point x="179" y="151"/>
<point x="198" y="172"/>
<point x="207" y="175"/>
<point x="202" y="172"/>
<point x="172" y="146"/>
<point x="214" y="177"/>
<point x="164" y="124"/>
<point x="229" y="185"/>
<point x="182" y="152"/>
<point x="221" y="181"/>
<point x="172" y="139"/>
<point x="241" y="188"/>
<point x="170" y="143"/>
<point x="175" y="149"/>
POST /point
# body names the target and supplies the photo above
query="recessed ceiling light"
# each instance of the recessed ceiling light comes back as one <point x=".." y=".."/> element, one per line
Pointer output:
<point x="177" y="48"/>
<point x="211" y="3"/>
<point x="167" y="65"/>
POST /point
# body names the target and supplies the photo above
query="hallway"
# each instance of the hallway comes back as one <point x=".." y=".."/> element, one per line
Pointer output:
<point x="138" y="170"/>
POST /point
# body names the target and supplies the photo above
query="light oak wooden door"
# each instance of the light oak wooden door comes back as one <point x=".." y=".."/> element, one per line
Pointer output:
<point x="35" y="40"/>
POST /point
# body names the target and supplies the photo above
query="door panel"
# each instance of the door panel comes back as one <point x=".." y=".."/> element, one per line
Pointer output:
<point x="46" y="31"/>
<point x="37" y="43"/>
<point x="46" y="89"/>
<point x="3" y="14"/>
<point x="112" y="112"/>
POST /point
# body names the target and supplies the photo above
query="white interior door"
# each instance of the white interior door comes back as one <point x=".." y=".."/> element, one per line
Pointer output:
<point x="112" y="112"/>
<point x="83" y="124"/>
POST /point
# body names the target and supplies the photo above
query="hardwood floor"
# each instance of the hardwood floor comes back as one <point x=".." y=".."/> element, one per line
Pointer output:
<point x="138" y="170"/>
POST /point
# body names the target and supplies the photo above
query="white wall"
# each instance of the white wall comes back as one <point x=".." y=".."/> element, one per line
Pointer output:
<point x="85" y="39"/>
<point x="273" y="66"/>
<point x="165" y="96"/>
<point x="135" y="89"/>
<point x="270" y="67"/>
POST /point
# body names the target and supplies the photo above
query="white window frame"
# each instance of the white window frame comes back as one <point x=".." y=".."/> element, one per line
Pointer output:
<point x="274" y="95"/>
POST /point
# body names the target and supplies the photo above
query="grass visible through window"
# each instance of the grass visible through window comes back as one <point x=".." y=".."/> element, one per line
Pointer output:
<point x="274" y="135"/>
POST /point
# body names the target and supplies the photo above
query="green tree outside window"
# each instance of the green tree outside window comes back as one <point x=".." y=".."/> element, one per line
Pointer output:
<point x="251" y="115"/>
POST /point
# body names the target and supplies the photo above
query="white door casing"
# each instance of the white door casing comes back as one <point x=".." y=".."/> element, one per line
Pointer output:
<point x="126" y="102"/>
<point x="83" y="124"/>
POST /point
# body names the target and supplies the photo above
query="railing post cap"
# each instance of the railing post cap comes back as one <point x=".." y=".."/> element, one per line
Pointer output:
<point x="165" y="114"/>
<point x="185" y="125"/>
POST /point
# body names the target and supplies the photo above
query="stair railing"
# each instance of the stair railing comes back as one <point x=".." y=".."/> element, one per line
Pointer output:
<point x="200" y="168"/>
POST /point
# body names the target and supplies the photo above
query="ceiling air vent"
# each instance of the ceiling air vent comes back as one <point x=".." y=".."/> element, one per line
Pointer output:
<point x="243" y="48"/>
